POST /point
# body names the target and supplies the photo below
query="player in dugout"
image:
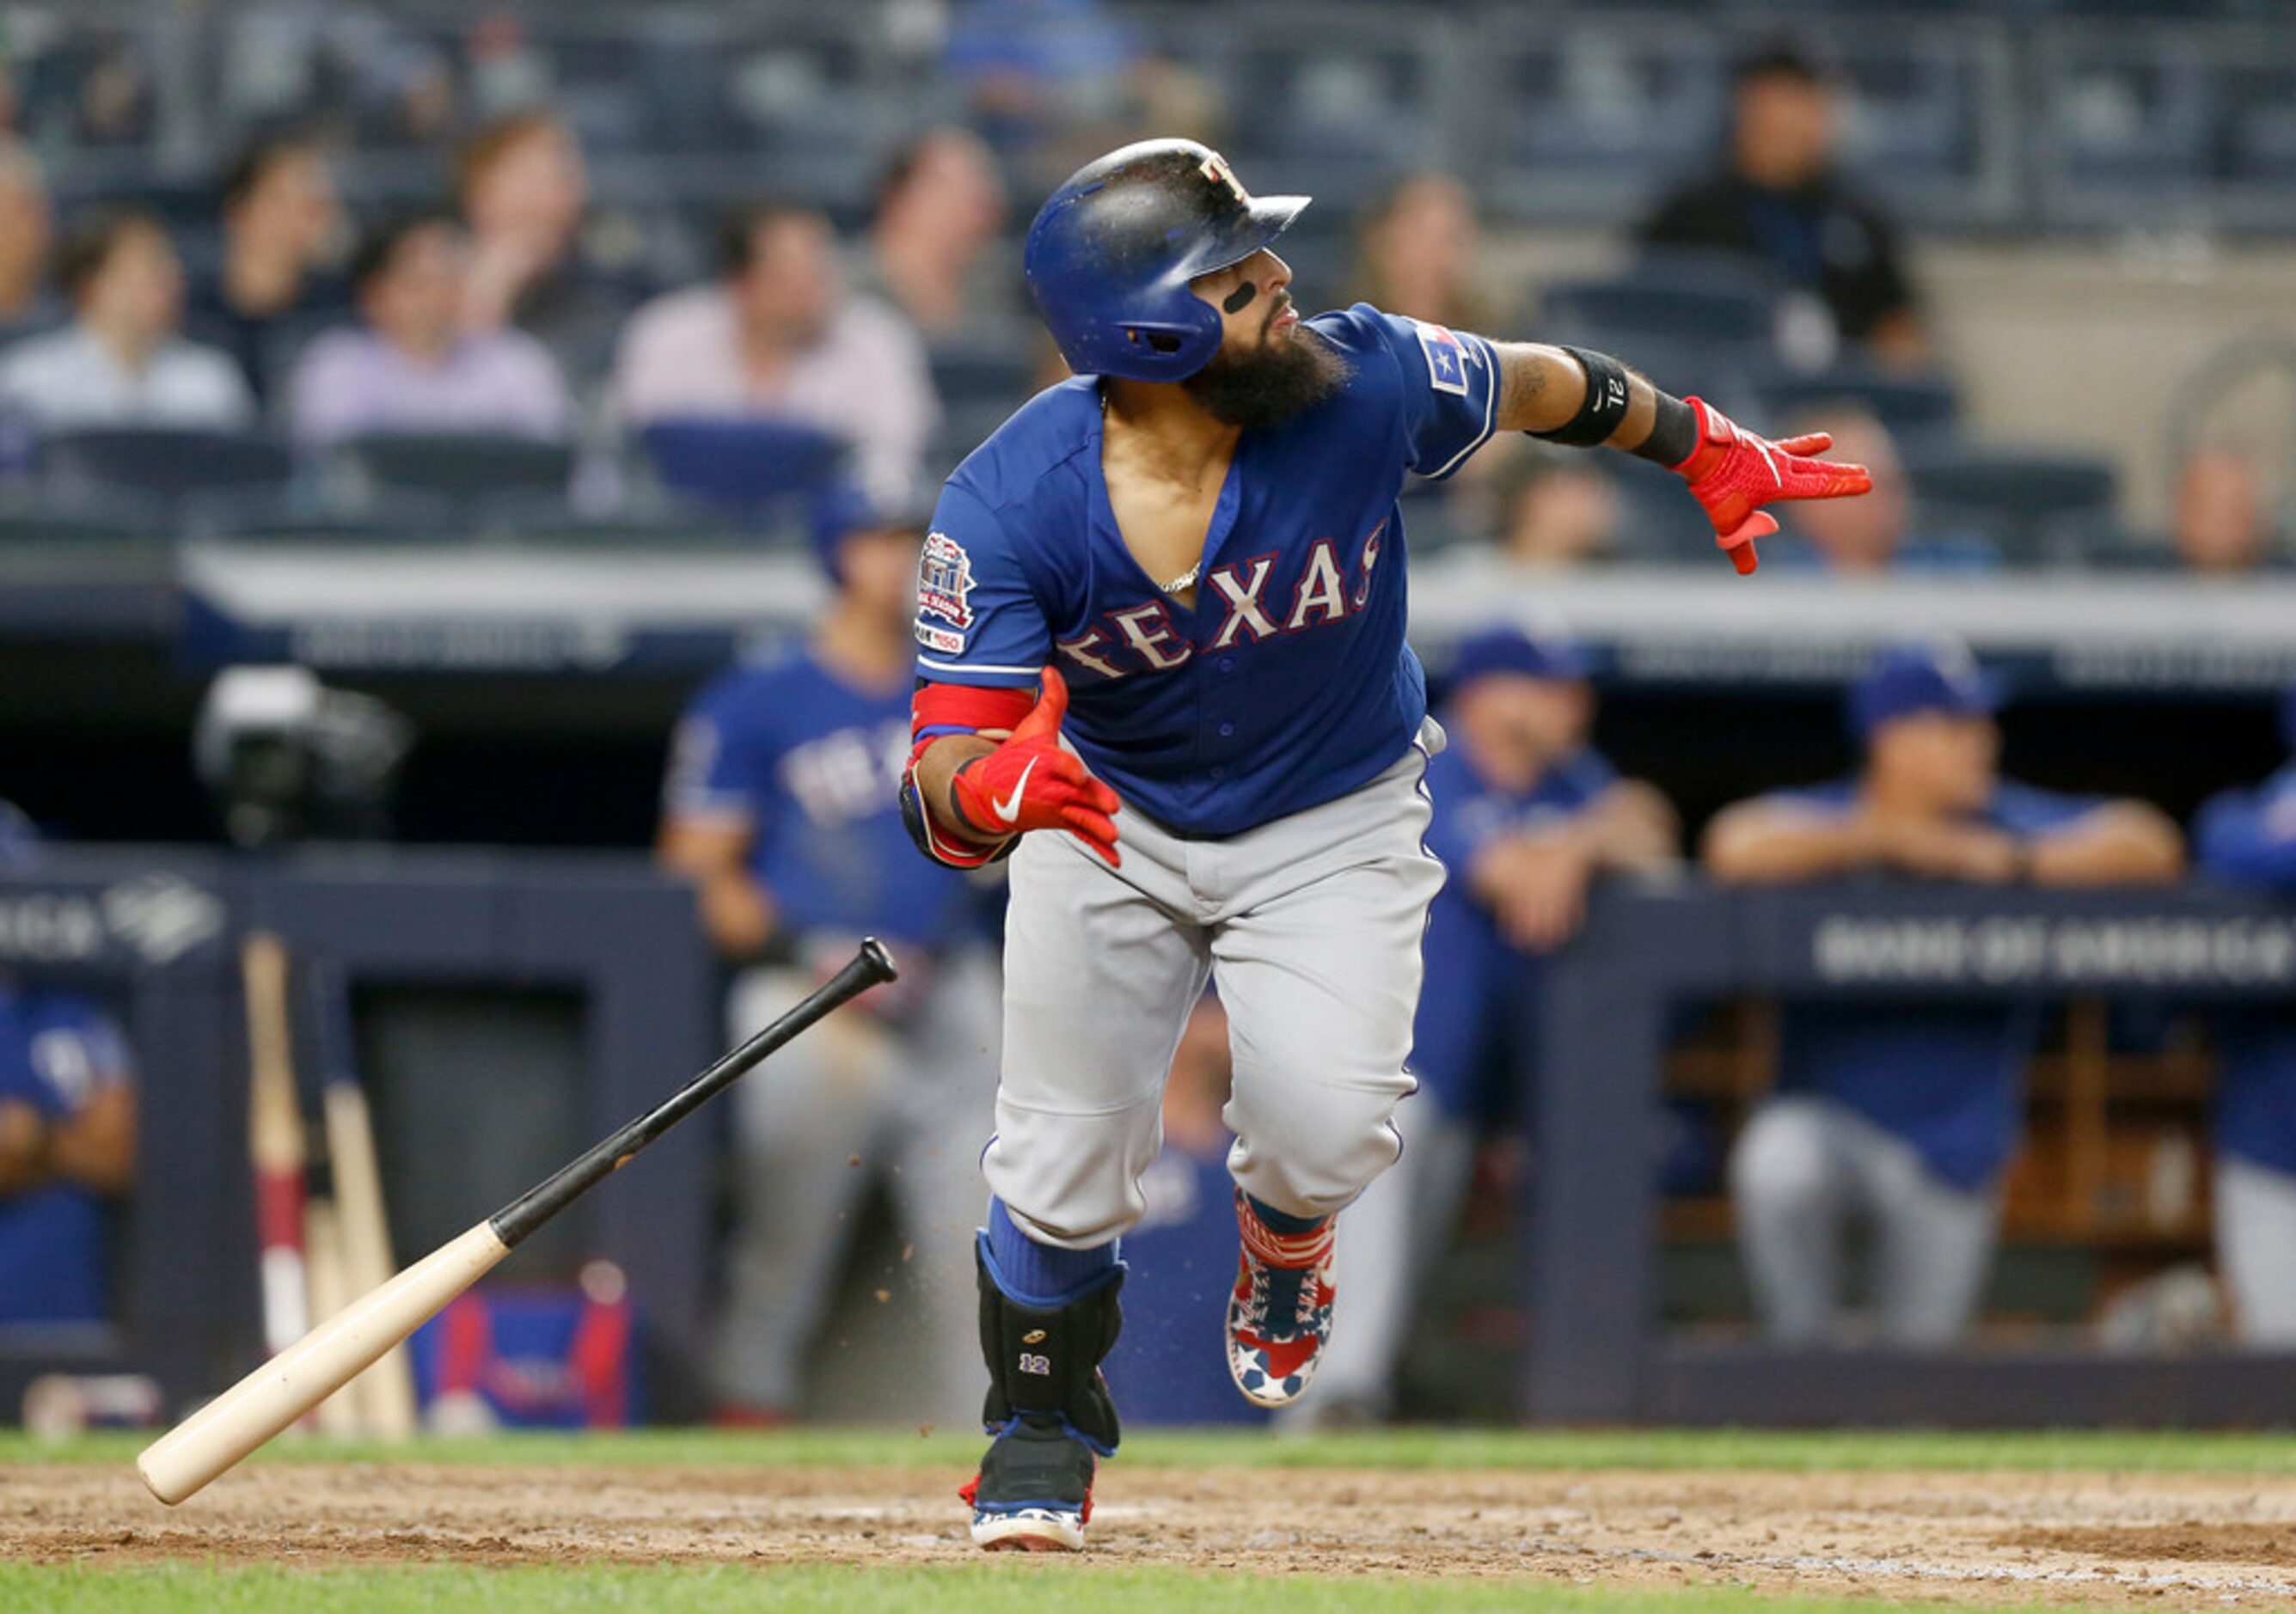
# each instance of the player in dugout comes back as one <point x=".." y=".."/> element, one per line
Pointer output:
<point x="67" y="1138"/>
<point x="1903" y="1115"/>
<point x="1528" y="814"/>
<point x="2248" y="839"/>
<point x="1200" y="529"/>
<point x="780" y="806"/>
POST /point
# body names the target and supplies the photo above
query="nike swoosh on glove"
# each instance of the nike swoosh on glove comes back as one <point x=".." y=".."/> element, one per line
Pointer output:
<point x="1029" y="783"/>
<point x="1734" y="473"/>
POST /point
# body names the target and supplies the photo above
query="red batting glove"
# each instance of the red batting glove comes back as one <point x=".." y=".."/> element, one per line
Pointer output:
<point x="1029" y="783"/>
<point x="1734" y="473"/>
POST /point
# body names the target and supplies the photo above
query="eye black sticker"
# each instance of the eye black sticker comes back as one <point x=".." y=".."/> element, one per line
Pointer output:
<point x="1239" y="299"/>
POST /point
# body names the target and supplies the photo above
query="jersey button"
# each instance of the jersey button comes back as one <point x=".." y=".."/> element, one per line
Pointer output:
<point x="1218" y="770"/>
<point x="1227" y="664"/>
<point x="1226" y="729"/>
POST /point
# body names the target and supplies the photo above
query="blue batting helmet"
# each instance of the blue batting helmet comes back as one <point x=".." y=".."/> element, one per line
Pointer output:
<point x="1111" y="255"/>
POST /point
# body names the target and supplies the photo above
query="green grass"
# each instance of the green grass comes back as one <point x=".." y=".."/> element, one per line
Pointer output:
<point x="988" y="1587"/>
<point x="1414" y="1448"/>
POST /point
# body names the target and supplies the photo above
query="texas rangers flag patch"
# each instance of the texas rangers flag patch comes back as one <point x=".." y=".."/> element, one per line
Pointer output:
<point x="1447" y="358"/>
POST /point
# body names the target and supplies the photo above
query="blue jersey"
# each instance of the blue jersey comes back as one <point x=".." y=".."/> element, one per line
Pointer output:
<point x="56" y="1052"/>
<point x="2248" y="838"/>
<point x="1946" y="1079"/>
<point x="1478" y="985"/>
<point x="812" y="765"/>
<point x="1288" y="683"/>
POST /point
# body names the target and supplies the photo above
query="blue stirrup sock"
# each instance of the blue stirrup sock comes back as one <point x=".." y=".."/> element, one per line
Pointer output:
<point x="1040" y="1275"/>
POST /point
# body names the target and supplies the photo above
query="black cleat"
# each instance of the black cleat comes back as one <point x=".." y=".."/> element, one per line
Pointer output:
<point x="1034" y="1490"/>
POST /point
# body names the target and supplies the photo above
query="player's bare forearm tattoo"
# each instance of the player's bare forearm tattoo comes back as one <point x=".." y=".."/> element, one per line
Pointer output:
<point x="1523" y="377"/>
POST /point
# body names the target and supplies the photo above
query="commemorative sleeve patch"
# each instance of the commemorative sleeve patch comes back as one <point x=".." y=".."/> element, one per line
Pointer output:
<point x="1447" y="358"/>
<point x="939" y="639"/>
<point x="944" y="583"/>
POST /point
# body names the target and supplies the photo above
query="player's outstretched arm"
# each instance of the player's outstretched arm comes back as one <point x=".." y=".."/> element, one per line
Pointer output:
<point x="970" y="794"/>
<point x="1584" y="399"/>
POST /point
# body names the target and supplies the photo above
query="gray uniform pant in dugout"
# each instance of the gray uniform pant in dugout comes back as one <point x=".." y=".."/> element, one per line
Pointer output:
<point x="1310" y="925"/>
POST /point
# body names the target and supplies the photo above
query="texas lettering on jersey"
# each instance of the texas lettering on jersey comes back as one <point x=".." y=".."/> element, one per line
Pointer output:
<point x="1245" y="610"/>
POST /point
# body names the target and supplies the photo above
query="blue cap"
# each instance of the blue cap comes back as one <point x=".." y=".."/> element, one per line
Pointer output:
<point x="843" y="507"/>
<point x="19" y="837"/>
<point x="1913" y="678"/>
<point x="1549" y="656"/>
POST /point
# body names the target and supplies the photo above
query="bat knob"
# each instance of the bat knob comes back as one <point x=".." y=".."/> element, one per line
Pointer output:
<point x="879" y="960"/>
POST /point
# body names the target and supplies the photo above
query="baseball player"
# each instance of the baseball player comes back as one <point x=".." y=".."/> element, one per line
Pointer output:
<point x="780" y="805"/>
<point x="1527" y="815"/>
<point x="1903" y="1115"/>
<point x="1198" y="534"/>
<point x="67" y="1138"/>
<point x="2248" y="838"/>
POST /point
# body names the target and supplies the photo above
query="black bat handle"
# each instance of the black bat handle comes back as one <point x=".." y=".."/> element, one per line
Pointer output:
<point x="872" y="965"/>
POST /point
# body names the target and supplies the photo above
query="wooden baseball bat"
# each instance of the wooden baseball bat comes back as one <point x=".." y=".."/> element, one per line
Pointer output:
<point x="384" y="1395"/>
<point x="280" y="1391"/>
<point x="274" y="1131"/>
<point x="338" y="1416"/>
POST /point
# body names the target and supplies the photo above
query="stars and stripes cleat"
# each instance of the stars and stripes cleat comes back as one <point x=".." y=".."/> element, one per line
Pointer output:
<point x="1034" y="1491"/>
<point x="1279" y="1315"/>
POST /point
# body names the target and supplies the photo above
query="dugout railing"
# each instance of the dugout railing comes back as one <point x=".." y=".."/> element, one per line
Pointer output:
<point x="1592" y="1233"/>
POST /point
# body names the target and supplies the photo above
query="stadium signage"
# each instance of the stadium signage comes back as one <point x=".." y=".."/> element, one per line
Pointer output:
<point x="2014" y="949"/>
<point x="157" y="917"/>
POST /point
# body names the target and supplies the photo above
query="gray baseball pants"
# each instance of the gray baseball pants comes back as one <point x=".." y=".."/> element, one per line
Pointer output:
<point x="1802" y="1168"/>
<point x="1310" y="926"/>
<point x="2256" y="1245"/>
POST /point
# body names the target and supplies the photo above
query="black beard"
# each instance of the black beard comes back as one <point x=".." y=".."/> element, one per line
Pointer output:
<point x="1270" y="385"/>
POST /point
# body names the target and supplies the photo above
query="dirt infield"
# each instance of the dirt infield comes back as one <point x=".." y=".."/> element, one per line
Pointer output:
<point x="1955" y="1536"/>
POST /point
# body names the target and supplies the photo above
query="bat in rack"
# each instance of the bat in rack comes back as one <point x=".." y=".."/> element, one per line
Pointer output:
<point x="284" y="1388"/>
<point x="383" y="1396"/>
<point x="275" y="1132"/>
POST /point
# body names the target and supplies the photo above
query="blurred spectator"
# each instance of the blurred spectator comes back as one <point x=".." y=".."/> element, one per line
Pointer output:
<point x="27" y="233"/>
<point x="1033" y="69"/>
<point x="279" y="221"/>
<point x="1873" y="534"/>
<point x="523" y="190"/>
<point x="1556" y="507"/>
<point x="1903" y="1115"/>
<point x="121" y="362"/>
<point x="411" y="367"/>
<point x="940" y="206"/>
<point x="2222" y="520"/>
<point x="1527" y="816"/>
<point x="1180" y="1256"/>
<point x="782" y="806"/>
<point x="67" y="1140"/>
<point x="1779" y="201"/>
<point x="1418" y="246"/>
<point x="779" y="337"/>
<point x="2248" y="838"/>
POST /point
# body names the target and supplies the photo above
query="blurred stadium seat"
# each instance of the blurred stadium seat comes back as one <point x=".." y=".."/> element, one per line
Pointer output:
<point x="164" y="463"/>
<point x="1914" y="407"/>
<point x="738" y="467"/>
<point x="75" y="525"/>
<point x="462" y="466"/>
<point x="2033" y="506"/>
